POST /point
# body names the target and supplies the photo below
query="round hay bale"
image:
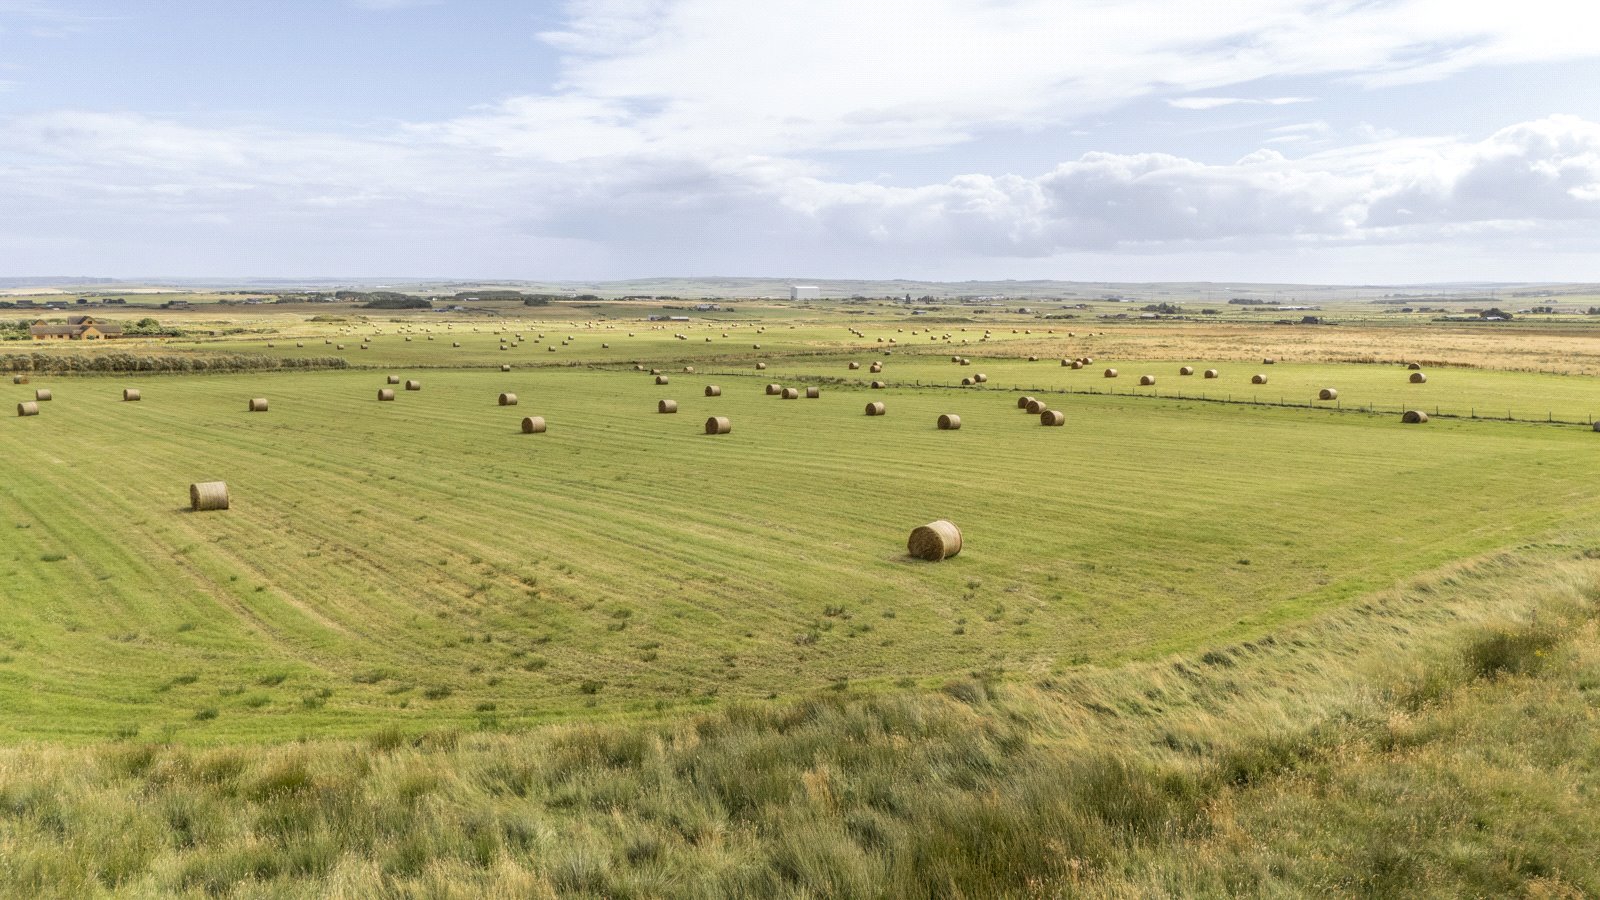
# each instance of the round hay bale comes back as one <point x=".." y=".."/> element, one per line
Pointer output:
<point x="774" y="389"/>
<point x="876" y="408"/>
<point x="1033" y="359"/>
<point x="1052" y="417"/>
<point x="1419" y="378"/>
<point x="270" y="345"/>
<point x="965" y="361"/>
<point x="393" y="379"/>
<point x="879" y="385"/>
<point x="1111" y="373"/>
<point x="1328" y="394"/>
<point x="19" y="379"/>
<point x="949" y="422"/>
<point x="1147" y="380"/>
<point x="208" y="495"/>
<point x="1077" y="364"/>
<point x="854" y="366"/>
<point x="662" y="379"/>
<point x="455" y="343"/>
<point x="790" y="393"/>
<point x="1186" y="370"/>
<point x="1415" y="367"/>
<point x="551" y="348"/>
<point x="1065" y="363"/>
<point x="713" y="391"/>
<point x="667" y="406"/>
<point x="1414" y="417"/>
<point x="533" y="424"/>
<point x="1258" y="379"/>
<point x="1022" y="402"/>
<point x="718" y="425"/>
<point x="1597" y="425"/>
<point x="875" y="368"/>
<point x="413" y="385"/>
<point x="338" y="347"/>
<point x="655" y="371"/>
<point x="302" y="343"/>
<point x="43" y="395"/>
<point x="980" y="378"/>
<point x="1212" y="373"/>
<point x="258" y="404"/>
<point x="755" y="346"/>
<point x="605" y="346"/>
<point x="966" y="382"/>
<point x="508" y="399"/>
<point x="505" y="368"/>
<point x="1035" y="407"/>
<point x="956" y="360"/>
<point x="935" y="541"/>
<point x="1268" y="361"/>
<point x="813" y="393"/>
<point x="27" y="408"/>
<point x="760" y="366"/>
<point x="688" y="370"/>
<point x="130" y="394"/>
<point x="385" y="394"/>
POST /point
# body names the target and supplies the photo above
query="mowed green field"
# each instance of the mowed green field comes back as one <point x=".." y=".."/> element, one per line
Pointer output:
<point x="823" y="350"/>
<point x="423" y="562"/>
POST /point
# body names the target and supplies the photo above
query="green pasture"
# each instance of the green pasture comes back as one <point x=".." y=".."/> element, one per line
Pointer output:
<point x="423" y="562"/>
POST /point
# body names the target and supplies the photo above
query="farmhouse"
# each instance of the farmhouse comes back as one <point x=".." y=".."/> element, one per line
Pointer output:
<point x="78" y="328"/>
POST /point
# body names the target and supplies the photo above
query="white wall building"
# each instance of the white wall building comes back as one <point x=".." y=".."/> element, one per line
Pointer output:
<point x="804" y="292"/>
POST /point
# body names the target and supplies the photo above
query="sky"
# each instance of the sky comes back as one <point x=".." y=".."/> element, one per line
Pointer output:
<point x="1332" y="141"/>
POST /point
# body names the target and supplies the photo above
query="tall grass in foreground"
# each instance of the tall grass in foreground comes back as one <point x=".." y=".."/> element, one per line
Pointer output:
<point x="1439" y="738"/>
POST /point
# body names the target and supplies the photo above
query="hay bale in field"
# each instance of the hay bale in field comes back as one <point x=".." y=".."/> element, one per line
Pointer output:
<point x="1077" y="364"/>
<point x="1419" y="378"/>
<point x="1268" y="361"/>
<point x="1212" y="373"/>
<point x="338" y="347"/>
<point x="980" y="378"/>
<point x="965" y="361"/>
<point x="208" y="495"/>
<point x="875" y="368"/>
<point x="790" y="393"/>
<point x="813" y="393"/>
<point x="508" y="399"/>
<point x="1111" y="373"/>
<point x="1022" y="402"/>
<point x="605" y="346"/>
<point x="130" y="394"/>
<point x="455" y="343"/>
<point x="879" y="385"/>
<point x="1415" y="367"/>
<point x="755" y="346"/>
<point x="666" y="406"/>
<point x="385" y="394"/>
<point x="1035" y="406"/>
<point x="854" y="366"/>
<point x="949" y="422"/>
<point x="506" y="367"/>
<point x="760" y="366"/>
<point x="1186" y="370"/>
<point x="19" y="379"/>
<point x="1052" y="417"/>
<point x="258" y="404"/>
<point x="655" y="371"/>
<point x="1328" y="394"/>
<point x="551" y="348"/>
<point x="1147" y="380"/>
<point x="27" y="408"/>
<point x="1258" y="379"/>
<point x="774" y="389"/>
<point x="302" y="343"/>
<point x="966" y="382"/>
<point x="1033" y="359"/>
<point x="876" y="408"/>
<point x="1065" y="363"/>
<point x="413" y="385"/>
<point x="1414" y="417"/>
<point x="713" y="391"/>
<point x="271" y="345"/>
<point x="393" y="379"/>
<point x="662" y="379"/>
<point x="935" y="541"/>
<point x="533" y="424"/>
<point x="718" y="425"/>
<point x="1597" y="425"/>
<point x="688" y="370"/>
<point x="955" y="359"/>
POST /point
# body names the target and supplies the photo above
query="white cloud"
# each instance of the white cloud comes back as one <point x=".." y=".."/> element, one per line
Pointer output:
<point x="1214" y="102"/>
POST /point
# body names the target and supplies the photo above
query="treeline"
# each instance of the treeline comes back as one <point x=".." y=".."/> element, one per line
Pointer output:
<point x="128" y="362"/>
<point x="384" y="300"/>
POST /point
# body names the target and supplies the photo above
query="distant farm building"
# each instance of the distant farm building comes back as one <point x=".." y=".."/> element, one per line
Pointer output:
<point x="78" y="328"/>
<point x="804" y="292"/>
